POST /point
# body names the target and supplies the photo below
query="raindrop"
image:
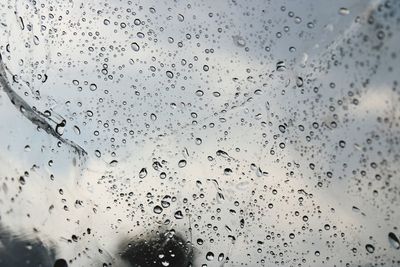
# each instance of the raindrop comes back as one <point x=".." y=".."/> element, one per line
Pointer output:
<point x="344" y="11"/>
<point x="60" y="127"/>
<point x="157" y="209"/>
<point x="280" y="66"/>
<point x="210" y="256"/>
<point x="181" y="17"/>
<point x="199" y="93"/>
<point x="142" y="173"/>
<point x="394" y="241"/>
<point x="93" y="87"/>
<point x="199" y="141"/>
<point x="178" y="215"/>
<point x="113" y="163"/>
<point x="239" y="41"/>
<point x="169" y="74"/>
<point x="228" y="171"/>
<point x="342" y="143"/>
<point x="135" y="47"/>
<point x="182" y="163"/>
<point x="77" y="130"/>
<point x="299" y="82"/>
<point x="370" y="248"/>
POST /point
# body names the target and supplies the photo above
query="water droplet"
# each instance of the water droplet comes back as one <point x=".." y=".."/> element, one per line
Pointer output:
<point x="93" y="87"/>
<point x="157" y="209"/>
<point x="210" y="256"/>
<point x="182" y="163"/>
<point x="77" y="130"/>
<point x="280" y="66"/>
<point x="228" y="171"/>
<point x="60" y="127"/>
<point x="169" y="74"/>
<point x="299" y="82"/>
<point x="178" y="215"/>
<point x="142" y="173"/>
<point x="238" y="40"/>
<point x="181" y="17"/>
<point x="342" y="143"/>
<point x="394" y="241"/>
<point x="199" y="93"/>
<point x="370" y="248"/>
<point x="344" y="11"/>
<point x="199" y="141"/>
<point x="135" y="47"/>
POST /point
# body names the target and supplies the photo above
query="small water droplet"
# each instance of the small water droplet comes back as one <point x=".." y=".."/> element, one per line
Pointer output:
<point x="93" y="87"/>
<point x="182" y="163"/>
<point x="77" y="130"/>
<point x="299" y="82"/>
<point x="280" y="66"/>
<point x="157" y="209"/>
<point x="394" y="241"/>
<point x="210" y="256"/>
<point x="178" y="215"/>
<point x="344" y="11"/>
<point x="238" y="40"/>
<point x="228" y="171"/>
<point x="181" y="17"/>
<point x="143" y="173"/>
<point x="169" y="74"/>
<point x="370" y="248"/>
<point x="113" y="163"/>
<point x="135" y="47"/>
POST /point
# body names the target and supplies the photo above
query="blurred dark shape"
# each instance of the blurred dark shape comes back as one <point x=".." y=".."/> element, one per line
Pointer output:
<point x="163" y="249"/>
<point x="60" y="263"/>
<point x="18" y="252"/>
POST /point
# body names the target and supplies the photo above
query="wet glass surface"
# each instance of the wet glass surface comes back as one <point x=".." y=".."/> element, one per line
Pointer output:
<point x="199" y="133"/>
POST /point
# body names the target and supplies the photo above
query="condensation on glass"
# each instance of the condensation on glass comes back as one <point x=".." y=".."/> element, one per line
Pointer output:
<point x="199" y="133"/>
